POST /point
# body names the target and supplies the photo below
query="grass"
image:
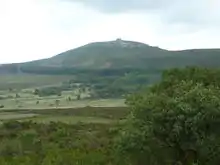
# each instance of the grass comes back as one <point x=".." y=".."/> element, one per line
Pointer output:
<point x="103" y="112"/>
<point x="104" y="115"/>
<point x="85" y="110"/>
<point x="9" y="116"/>
<point x="29" y="81"/>
<point x="29" y="101"/>
<point x="44" y="109"/>
<point x="69" y="119"/>
<point x="48" y="103"/>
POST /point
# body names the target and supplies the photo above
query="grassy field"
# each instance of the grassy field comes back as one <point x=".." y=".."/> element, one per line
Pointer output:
<point x="30" y="101"/>
<point x="9" y="115"/>
<point x="79" y="129"/>
<point x="27" y="106"/>
<point x="46" y="103"/>
<point x="85" y="110"/>
<point x="70" y="119"/>
<point x="104" y="115"/>
<point x="24" y="86"/>
<point x="29" y="81"/>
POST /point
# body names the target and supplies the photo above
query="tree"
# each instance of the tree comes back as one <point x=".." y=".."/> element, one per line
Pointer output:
<point x="17" y="95"/>
<point x="48" y="91"/>
<point x="36" y="92"/>
<point x="57" y="102"/>
<point x="69" y="98"/>
<point x="83" y="89"/>
<point x="181" y="117"/>
<point x="78" y="97"/>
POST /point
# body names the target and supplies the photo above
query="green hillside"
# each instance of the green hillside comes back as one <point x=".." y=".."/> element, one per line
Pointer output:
<point x="118" y="54"/>
<point x="111" y="54"/>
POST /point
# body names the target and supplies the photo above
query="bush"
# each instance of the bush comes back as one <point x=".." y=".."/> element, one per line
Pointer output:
<point x="178" y="118"/>
<point x="55" y="143"/>
<point x="49" y="91"/>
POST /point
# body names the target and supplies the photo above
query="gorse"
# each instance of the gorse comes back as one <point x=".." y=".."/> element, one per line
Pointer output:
<point x="176" y="120"/>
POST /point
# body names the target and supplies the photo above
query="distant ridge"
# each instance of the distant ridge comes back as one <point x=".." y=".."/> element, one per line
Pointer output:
<point x="123" y="54"/>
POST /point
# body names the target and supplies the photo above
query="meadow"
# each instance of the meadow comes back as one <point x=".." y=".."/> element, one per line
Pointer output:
<point x="23" y="81"/>
<point x="19" y="102"/>
<point x="76" y="129"/>
<point x="175" y="121"/>
<point x="103" y="115"/>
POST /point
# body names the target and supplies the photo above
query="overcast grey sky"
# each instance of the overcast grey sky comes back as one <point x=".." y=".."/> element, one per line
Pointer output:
<point x="34" y="29"/>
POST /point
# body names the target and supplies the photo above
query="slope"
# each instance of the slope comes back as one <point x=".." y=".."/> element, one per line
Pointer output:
<point x="117" y="54"/>
<point x="111" y="54"/>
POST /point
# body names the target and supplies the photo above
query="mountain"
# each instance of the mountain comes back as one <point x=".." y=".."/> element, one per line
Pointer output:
<point x="111" y="54"/>
<point x="120" y="54"/>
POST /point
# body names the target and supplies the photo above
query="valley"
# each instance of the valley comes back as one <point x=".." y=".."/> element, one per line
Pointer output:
<point x="116" y="103"/>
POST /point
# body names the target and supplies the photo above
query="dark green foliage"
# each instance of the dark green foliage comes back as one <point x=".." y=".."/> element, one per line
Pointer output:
<point x="102" y="112"/>
<point x="176" y="119"/>
<point x="56" y="143"/>
<point x="36" y="92"/>
<point x="57" y="102"/>
<point x="2" y="97"/>
<point x="69" y="99"/>
<point x="78" y="97"/>
<point x="115" y="85"/>
<point x="17" y="95"/>
<point x="48" y="91"/>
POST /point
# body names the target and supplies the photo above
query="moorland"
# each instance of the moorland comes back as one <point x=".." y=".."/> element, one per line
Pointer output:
<point x="108" y="103"/>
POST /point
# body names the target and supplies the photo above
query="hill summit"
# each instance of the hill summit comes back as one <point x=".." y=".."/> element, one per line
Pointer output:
<point x="119" y="54"/>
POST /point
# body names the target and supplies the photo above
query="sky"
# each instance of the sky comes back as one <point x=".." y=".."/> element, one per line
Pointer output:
<point x="35" y="29"/>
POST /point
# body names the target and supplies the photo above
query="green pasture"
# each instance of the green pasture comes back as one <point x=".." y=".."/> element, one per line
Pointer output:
<point x="28" y="81"/>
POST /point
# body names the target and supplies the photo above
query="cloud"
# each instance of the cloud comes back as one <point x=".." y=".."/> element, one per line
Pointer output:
<point x="33" y="29"/>
<point x="193" y="12"/>
<point x="124" y="5"/>
<point x="177" y="17"/>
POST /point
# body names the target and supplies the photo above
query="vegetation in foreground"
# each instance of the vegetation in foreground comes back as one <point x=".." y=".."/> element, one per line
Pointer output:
<point x="59" y="136"/>
<point x="69" y="115"/>
<point x="25" y="143"/>
<point x="173" y="122"/>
